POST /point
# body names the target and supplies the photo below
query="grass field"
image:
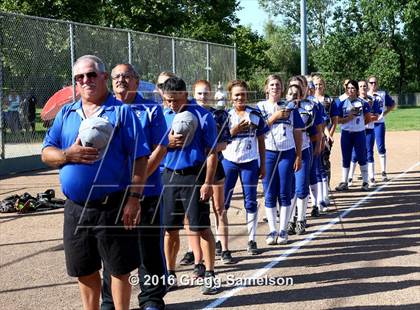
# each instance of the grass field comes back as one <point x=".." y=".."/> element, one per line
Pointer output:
<point x="403" y="119"/>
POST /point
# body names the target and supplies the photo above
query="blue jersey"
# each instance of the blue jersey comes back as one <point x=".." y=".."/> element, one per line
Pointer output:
<point x="153" y="123"/>
<point x="82" y="182"/>
<point x="205" y="138"/>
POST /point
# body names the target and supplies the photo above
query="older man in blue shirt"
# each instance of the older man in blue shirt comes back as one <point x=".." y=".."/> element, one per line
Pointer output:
<point x="99" y="185"/>
<point x="125" y="83"/>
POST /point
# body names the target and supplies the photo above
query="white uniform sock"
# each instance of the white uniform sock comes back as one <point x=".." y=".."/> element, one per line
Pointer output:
<point x="345" y="176"/>
<point x="251" y="222"/>
<point x="292" y="212"/>
<point x="302" y="204"/>
<point x="325" y="190"/>
<point x="319" y="193"/>
<point x="382" y="159"/>
<point x="351" y="170"/>
<point x="371" y="170"/>
<point x="313" y="191"/>
<point x="271" y="214"/>
<point x="364" y="171"/>
<point x="293" y="202"/>
<point x="284" y="216"/>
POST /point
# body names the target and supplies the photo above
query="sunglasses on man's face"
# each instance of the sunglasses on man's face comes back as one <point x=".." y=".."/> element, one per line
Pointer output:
<point x="90" y="75"/>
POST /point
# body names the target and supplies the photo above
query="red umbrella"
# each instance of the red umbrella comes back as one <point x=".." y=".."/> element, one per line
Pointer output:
<point x="57" y="101"/>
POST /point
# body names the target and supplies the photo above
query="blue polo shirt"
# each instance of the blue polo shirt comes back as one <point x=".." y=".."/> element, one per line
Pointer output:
<point x="205" y="137"/>
<point x="82" y="182"/>
<point x="153" y="123"/>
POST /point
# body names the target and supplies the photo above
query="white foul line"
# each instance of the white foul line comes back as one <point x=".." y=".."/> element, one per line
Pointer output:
<point x="301" y="243"/>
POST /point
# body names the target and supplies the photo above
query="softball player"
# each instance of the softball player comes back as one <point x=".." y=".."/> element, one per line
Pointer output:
<point x="352" y="113"/>
<point x="300" y="186"/>
<point x="315" y="179"/>
<point x="370" y="135"/>
<point x="241" y="156"/>
<point x="386" y="104"/>
<point x="330" y="123"/>
<point x="201" y="92"/>
<point x="283" y="155"/>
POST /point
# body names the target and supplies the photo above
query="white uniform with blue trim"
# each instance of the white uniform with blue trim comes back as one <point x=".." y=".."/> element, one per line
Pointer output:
<point x="244" y="146"/>
<point x="357" y="123"/>
<point x="280" y="137"/>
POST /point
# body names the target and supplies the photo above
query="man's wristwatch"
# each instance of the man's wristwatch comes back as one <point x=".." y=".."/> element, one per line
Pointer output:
<point x="135" y="195"/>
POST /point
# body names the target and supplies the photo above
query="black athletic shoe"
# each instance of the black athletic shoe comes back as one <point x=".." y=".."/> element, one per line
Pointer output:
<point x="365" y="186"/>
<point x="252" y="248"/>
<point x="210" y="286"/>
<point x="226" y="257"/>
<point x="315" y="211"/>
<point x="199" y="271"/>
<point x="172" y="281"/>
<point x="343" y="186"/>
<point x="291" y="226"/>
<point x="384" y="177"/>
<point x="188" y="259"/>
<point x="300" y="227"/>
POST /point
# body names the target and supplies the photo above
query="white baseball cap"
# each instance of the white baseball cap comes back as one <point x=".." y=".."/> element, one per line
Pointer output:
<point x="185" y="123"/>
<point x="95" y="132"/>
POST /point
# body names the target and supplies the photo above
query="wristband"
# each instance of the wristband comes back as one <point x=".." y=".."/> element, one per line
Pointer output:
<point x="135" y="195"/>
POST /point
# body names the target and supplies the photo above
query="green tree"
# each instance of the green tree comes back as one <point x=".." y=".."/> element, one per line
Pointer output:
<point x="318" y="14"/>
<point x="251" y="56"/>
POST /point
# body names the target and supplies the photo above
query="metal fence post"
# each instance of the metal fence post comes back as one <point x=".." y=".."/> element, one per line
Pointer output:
<point x="208" y="68"/>
<point x="234" y="60"/>
<point x="129" y="46"/>
<point x="2" y="155"/>
<point x="173" y="56"/>
<point x="71" y="30"/>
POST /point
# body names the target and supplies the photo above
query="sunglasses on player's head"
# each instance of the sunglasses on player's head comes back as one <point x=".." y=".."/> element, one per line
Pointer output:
<point x="90" y="75"/>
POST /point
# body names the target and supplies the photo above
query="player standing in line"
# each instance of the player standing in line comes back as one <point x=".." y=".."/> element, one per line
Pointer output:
<point x="328" y="133"/>
<point x="201" y="93"/>
<point x="315" y="174"/>
<point x="386" y="104"/>
<point x="300" y="186"/>
<point x="370" y="135"/>
<point x="352" y="113"/>
<point x="283" y="155"/>
<point x="245" y="155"/>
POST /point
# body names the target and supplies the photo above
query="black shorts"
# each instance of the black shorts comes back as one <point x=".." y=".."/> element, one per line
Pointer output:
<point x="220" y="172"/>
<point x="96" y="234"/>
<point x="181" y="196"/>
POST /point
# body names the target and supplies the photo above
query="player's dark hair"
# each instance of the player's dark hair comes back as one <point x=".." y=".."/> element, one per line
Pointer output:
<point x="174" y="84"/>
<point x="353" y="83"/>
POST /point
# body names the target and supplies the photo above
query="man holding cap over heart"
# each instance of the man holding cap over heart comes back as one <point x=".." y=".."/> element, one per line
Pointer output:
<point x="187" y="181"/>
<point x="93" y="141"/>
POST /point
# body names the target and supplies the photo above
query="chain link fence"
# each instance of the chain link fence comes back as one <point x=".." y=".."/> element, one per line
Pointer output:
<point x="36" y="57"/>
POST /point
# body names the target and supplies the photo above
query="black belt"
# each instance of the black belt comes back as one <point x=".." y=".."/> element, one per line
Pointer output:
<point x="186" y="171"/>
<point x="110" y="200"/>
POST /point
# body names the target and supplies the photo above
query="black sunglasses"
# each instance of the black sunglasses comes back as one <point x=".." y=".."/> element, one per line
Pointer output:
<point x="90" y="75"/>
<point x="372" y="82"/>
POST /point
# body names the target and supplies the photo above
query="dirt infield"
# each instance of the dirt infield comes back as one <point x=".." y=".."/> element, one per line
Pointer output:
<point x="362" y="255"/>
